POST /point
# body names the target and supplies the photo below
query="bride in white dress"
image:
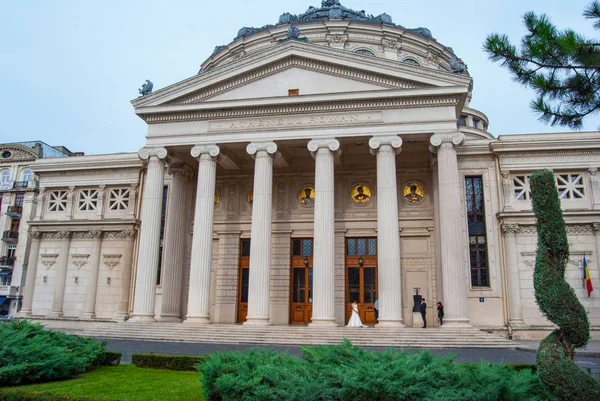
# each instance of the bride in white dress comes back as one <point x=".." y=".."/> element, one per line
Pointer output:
<point x="355" y="319"/>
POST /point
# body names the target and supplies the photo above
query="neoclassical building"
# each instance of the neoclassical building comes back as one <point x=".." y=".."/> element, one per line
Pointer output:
<point x="329" y="158"/>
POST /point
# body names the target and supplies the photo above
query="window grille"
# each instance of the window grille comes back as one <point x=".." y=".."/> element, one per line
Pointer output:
<point x="88" y="200"/>
<point x="521" y="187"/>
<point x="119" y="199"/>
<point x="570" y="186"/>
<point x="57" y="201"/>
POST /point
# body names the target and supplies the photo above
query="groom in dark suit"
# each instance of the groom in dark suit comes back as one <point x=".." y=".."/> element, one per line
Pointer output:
<point x="424" y="312"/>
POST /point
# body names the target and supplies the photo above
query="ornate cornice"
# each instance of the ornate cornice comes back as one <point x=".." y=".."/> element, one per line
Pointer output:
<point x="291" y="62"/>
<point x="88" y="235"/>
<point x="58" y="235"/>
<point x="35" y="235"/>
<point x="576" y="229"/>
<point x="119" y="235"/>
<point x="306" y="108"/>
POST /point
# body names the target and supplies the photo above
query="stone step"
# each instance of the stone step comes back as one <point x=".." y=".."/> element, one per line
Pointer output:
<point x="301" y="335"/>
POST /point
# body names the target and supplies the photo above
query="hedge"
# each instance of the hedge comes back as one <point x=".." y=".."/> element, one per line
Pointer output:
<point x="20" y="395"/>
<point x="112" y="359"/>
<point x="169" y="362"/>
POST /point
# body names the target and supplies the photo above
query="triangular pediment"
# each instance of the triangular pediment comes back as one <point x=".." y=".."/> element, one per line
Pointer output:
<point x="313" y="69"/>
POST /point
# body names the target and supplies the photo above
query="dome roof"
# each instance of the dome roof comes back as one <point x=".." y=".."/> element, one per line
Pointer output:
<point x="329" y="10"/>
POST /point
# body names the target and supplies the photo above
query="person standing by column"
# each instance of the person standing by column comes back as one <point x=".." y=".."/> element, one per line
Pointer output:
<point x="424" y="312"/>
<point x="440" y="309"/>
<point x="376" y="307"/>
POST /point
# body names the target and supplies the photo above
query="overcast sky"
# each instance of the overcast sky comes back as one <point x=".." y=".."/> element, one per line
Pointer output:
<point x="69" y="69"/>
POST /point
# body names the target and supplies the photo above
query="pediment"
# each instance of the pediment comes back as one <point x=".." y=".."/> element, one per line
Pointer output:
<point x="313" y="69"/>
<point x="16" y="153"/>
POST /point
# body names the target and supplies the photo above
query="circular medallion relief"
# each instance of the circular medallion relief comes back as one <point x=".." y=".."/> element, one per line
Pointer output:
<point x="360" y="194"/>
<point x="306" y="196"/>
<point x="413" y="193"/>
<point x="250" y="198"/>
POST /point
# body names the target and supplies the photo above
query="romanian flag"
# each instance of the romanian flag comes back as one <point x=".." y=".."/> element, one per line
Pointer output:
<point x="586" y="277"/>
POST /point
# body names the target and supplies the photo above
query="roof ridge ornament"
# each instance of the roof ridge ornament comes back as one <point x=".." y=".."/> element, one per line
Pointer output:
<point x="293" y="33"/>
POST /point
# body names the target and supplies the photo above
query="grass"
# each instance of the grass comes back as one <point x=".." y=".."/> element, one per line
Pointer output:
<point x="128" y="383"/>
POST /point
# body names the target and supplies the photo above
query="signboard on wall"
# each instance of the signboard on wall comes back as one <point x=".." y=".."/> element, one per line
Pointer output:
<point x="6" y="186"/>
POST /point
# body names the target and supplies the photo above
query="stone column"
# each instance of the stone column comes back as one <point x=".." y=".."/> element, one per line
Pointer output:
<point x="515" y="314"/>
<point x="61" y="273"/>
<point x="150" y="216"/>
<point x="89" y="310"/>
<point x="201" y="264"/>
<point x="453" y="231"/>
<point x="388" y="239"/>
<point x="34" y="252"/>
<point x="173" y="247"/>
<point x="323" y="312"/>
<point x="127" y="258"/>
<point x="260" y="245"/>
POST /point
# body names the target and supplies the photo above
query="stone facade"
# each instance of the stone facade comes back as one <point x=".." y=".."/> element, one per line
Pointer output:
<point x="301" y="175"/>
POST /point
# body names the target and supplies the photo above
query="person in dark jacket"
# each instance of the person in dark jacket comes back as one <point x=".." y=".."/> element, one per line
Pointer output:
<point x="424" y="312"/>
<point x="440" y="309"/>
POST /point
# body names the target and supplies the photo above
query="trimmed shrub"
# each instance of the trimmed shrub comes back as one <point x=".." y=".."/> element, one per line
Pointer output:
<point x="29" y="353"/>
<point x="19" y="395"/>
<point x="112" y="359"/>
<point x="520" y="366"/>
<point x="345" y="372"/>
<point x="169" y="362"/>
<point x="557" y="299"/>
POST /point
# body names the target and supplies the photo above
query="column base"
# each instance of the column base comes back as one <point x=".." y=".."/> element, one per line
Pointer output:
<point x="54" y="315"/>
<point x="323" y="323"/>
<point x="197" y="320"/>
<point x="169" y="319"/>
<point x="257" y="321"/>
<point x="24" y="313"/>
<point x="87" y="315"/>
<point x="417" y="319"/>
<point x="518" y="323"/>
<point x="390" y="323"/>
<point x="142" y="319"/>
<point x="121" y="317"/>
<point x="458" y="323"/>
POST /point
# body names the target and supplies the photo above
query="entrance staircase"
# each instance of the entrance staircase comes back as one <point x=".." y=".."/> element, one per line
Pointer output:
<point x="300" y="335"/>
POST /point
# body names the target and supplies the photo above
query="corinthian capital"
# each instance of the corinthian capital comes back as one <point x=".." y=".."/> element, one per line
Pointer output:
<point x="454" y="138"/>
<point x="394" y="141"/>
<point x="211" y="150"/>
<point x="510" y="228"/>
<point x="329" y="143"/>
<point x="254" y="147"/>
<point x="147" y="152"/>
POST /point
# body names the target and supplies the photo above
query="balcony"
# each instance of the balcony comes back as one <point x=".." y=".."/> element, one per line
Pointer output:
<point x="5" y="262"/>
<point x="10" y="237"/>
<point x="21" y="185"/>
<point x="8" y="291"/>
<point x="14" y="211"/>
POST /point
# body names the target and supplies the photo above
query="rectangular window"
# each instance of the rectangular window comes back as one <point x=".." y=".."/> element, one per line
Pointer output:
<point x="88" y="200"/>
<point x="477" y="231"/>
<point x="570" y="186"/>
<point x="163" y="215"/>
<point x="19" y="198"/>
<point x="293" y="92"/>
<point x="57" y="201"/>
<point x="118" y="199"/>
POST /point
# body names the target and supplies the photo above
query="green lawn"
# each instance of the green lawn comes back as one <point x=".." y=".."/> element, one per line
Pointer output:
<point x="127" y="382"/>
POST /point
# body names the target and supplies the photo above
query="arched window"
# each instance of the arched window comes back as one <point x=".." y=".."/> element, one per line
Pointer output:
<point x="410" y="61"/>
<point x="365" y="52"/>
<point x="27" y="175"/>
<point x="5" y="177"/>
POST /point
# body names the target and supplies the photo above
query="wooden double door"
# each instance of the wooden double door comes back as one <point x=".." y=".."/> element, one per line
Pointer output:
<point x="301" y="281"/>
<point x="361" y="278"/>
<point x="242" y="309"/>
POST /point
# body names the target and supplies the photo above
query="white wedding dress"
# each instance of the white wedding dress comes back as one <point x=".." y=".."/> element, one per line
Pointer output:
<point x="355" y="319"/>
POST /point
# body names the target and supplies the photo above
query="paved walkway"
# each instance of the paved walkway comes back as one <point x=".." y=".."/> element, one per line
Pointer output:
<point x="588" y="359"/>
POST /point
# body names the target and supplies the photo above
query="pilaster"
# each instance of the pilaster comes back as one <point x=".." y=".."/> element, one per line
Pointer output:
<point x="34" y="252"/>
<point x="201" y="263"/>
<point x="260" y="245"/>
<point x="515" y="314"/>
<point x="323" y="312"/>
<point x="89" y="310"/>
<point x="388" y="240"/>
<point x="125" y="290"/>
<point x="453" y="230"/>
<point x="61" y="273"/>
<point x="150" y="216"/>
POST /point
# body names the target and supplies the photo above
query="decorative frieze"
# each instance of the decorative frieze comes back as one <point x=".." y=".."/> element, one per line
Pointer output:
<point x="58" y="235"/>
<point x="111" y="260"/>
<point x="578" y="229"/>
<point x="307" y="108"/>
<point x="79" y="260"/>
<point x="35" y="235"/>
<point x="87" y="235"/>
<point x="510" y="228"/>
<point x="128" y="234"/>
